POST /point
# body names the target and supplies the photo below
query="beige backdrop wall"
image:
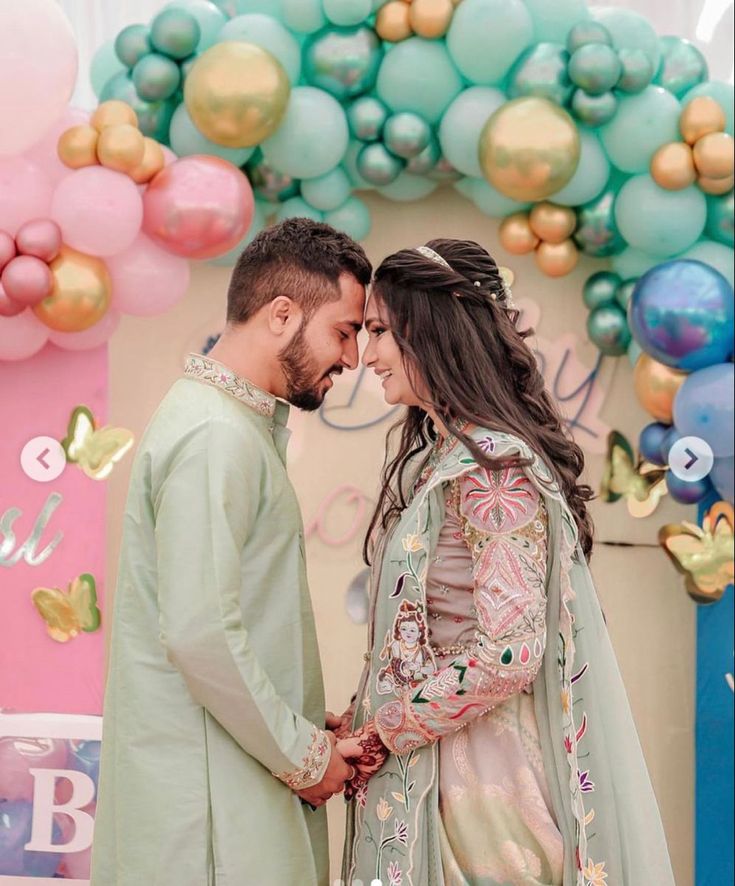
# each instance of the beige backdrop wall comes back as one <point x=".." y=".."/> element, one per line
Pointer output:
<point x="651" y="620"/>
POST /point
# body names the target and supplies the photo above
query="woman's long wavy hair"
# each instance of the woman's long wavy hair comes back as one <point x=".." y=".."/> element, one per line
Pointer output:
<point x="458" y="335"/>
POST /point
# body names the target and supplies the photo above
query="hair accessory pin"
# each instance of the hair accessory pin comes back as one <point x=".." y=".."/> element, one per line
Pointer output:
<point x="478" y="283"/>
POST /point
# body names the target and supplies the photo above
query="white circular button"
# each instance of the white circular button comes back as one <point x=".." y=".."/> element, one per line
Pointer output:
<point x="43" y="459"/>
<point x="691" y="459"/>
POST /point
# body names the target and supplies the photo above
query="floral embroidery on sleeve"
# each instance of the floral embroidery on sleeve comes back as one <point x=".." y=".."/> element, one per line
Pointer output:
<point x="504" y="524"/>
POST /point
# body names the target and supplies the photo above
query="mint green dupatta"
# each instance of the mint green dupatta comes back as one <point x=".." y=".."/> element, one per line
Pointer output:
<point x="602" y="796"/>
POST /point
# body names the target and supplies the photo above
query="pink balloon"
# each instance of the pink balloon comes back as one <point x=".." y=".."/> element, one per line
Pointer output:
<point x="27" y="280"/>
<point x="21" y="337"/>
<point x="168" y="155"/>
<point x="146" y="279"/>
<point x="45" y="152"/>
<point x="7" y="248"/>
<point x="25" y="192"/>
<point x="199" y="206"/>
<point x="38" y="69"/>
<point x="87" y="339"/>
<point x="19" y="755"/>
<point x="40" y="237"/>
<point x="8" y="307"/>
<point x="99" y="210"/>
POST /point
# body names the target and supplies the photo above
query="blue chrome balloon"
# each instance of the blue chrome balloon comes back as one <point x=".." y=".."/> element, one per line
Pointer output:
<point x="651" y="440"/>
<point x="687" y="492"/>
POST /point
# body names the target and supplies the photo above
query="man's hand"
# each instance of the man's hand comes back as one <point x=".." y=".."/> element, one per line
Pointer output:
<point x="366" y="751"/>
<point x="333" y="782"/>
<point x="341" y="725"/>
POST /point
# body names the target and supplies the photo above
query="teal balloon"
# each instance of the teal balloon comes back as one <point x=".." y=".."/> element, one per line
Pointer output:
<point x="715" y="255"/>
<point x="297" y="207"/>
<point x="634" y="352"/>
<point x="591" y="176"/>
<point x="595" y="68"/>
<point x="210" y="19"/>
<point x="594" y="110"/>
<point x="636" y="70"/>
<point x="268" y="33"/>
<point x="105" y="64"/>
<point x="175" y="32"/>
<point x="462" y="125"/>
<point x="552" y="21"/>
<point x="406" y="134"/>
<point x="154" y="118"/>
<point x="426" y="161"/>
<point x="600" y="289"/>
<point x="418" y="75"/>
<point x="256" y="226"/>
<point x="486" y="37"/>
<point x="607" y="327"/>
<point x="352" y="217"/>
<point x="328" y="191"/>
<point x="720" y="218"/>
<point x="268" y="183"/>
<point x="658" y="221"/>
<point x="586" y="32"/>
<point x="641" y="125"/>
<point x="156" y="77"/>
<point x="633" y="263"/>
<point x="304" y="16"/>
<point x="542" y="71"/>
<point x="491" y="202"/>
<point x="597" y="233"/>
<point x="132" y="43"/>
<point x="366" y="117"/>
<point x="273" y="8"/>
<point x="682" y="66"/>
<point x="186" y="140"/>
<point x="625" y="292"/>
<point x="376" y="164"/>
<point x="629" y="30"/>
<point x="407" y="188"/>
<point x="722" y="93"/>
<point x="347" y="12"/>
<point x="344" y="61"/>
<point x="349" y="162"/>
<point x="312" y="137"/>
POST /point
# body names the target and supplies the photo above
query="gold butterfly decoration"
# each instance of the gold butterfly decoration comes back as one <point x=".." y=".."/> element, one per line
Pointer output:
<point x="704" y="555"/>
<point x="641" y="483"/>
<point x="66" y="614"/>
<point x="95" y="451"/>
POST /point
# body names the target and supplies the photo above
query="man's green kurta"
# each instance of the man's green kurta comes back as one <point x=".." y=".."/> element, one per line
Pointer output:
<point x="214" y="682"/>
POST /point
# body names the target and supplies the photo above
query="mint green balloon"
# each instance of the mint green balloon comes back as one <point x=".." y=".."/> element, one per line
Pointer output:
<point x="637" y="70"/>
<point x="600" y="289"/>
<point x="349" y="162"/>
<point x="407" y="188"/>
<point x="352" y="217"/>
<point x="105" y="64"/>
<point x="594" y="110"/>
<point x="211" y="20"/>
<point x="641" y="125"/>
<point x="633" y="263"/>
<point x="585" y="32"/>
<point x="427" y="160"/>
<point x="154" y="118"/>
<point x="274" y="8"/>
<point x="132" y="43"/>
<point x="175" y="32"/>
<point x="591" y="176"/>
<point x="297" y="207"/>
<point x="366" y="116"/>
<point x="629" y="30"/>
<point x="269" y="34"/>
<point x="658" y="221"/>
<point x="552" y="19"/>
<point x="156" y="77"/>
<point x="347" y="12"/>
<point x="717" y="255"/>
<point x="542" y="71"/>
<point x="487" y="36"/>
<point x="376" y="164"/>
<point x="418" y="75"/>
<point x="327" y="192"/>
<point x="682" y="67"/>
<point x="721" y="219"/>
<point x="406" y="134"/>
<point x="722" y="93"/>
<point x="490" y="201"/>
<point x="595" y="68"/>
<point x="186" y="140"/>
<point x="462" y="125"/>
<point x="260" y="213"/>
<point x="607" y="327"/>
<point x="634" y="352"/>
<point x="304" y="16"/>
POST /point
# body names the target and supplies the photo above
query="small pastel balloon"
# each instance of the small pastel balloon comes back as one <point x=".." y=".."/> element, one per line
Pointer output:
<point x="651" y="440"/>
<point x="154" y="118"/>
<point x="630" y="30"/>
<point x="80" y="295"/>
<point x="687" y="492"/>
<point x="557" y="259"/>
<point x="551" y="223"/>
<point x="607" y="328"/>
<point x="431" y="18"/>
<point x="636" y="70"/>
<point x="45" y="154"/>
<point x="597" y="233"/>
<point x="594" y="110"/>
<point x="672" y="166"/>
<point x="366" y="117"/>
<point x="701" y="116"/>
<point x="624" y="294"/>
<point x="147" y="280"/>
<point x="716" y="255"/>
<point x="152" y="163"/>
<point x="425" y="162"/>
<point x="641" y="125"/>
<point x="21" y="335"/>
<point x="462" y="124"/>
<point x="105" y="65"/>
<point x="209" y="17"/>
<point x="704" y="407"/>
<point x="8" y="307"/>
<point x="542" y="70"/>
<point x="186" y="139"/>
<point x="7" y="248"/>
<point x="714" y="155"/>
<point x="408" y="188"/>
<point x="132" y="44"/>
<point x="631" y="262"/>
<point x="328" y="191"/>
<point x="352" y="217"/>
<point x="39" y="237"/>
<point x="27" y="280"/>
<point x="271" y="36"/>
<point x="593" y="173"/>
<point x="377" y="165"/>
<point x="78" y="146"/>
<point x="516" y="235"/>
<point x="18" y="756"/>
<point x="595" y="68"/>
<point x="600" y="289"/>
<point x="343" y="61"/>
<point x="297" y="207"/>
<point x="113" y="112"/>
<point x="175" y="33"/>
<point x="26" y="193"/>
<point x="656" y="385"/>
<point x="393" y="21"/>
<point x="98" y="210"/>
<point x="720" y="220"/>
<point x="198" y="207"/>
<point x="94" y="337"/>
<point x="406" y="134"/>
<point x="715" y="187"/>
<point x="682" y="66"/>
<point x="346" y="12"/>
<point x="121" y="147"/>
<point x="586" y="32"/>
<point x="553" y="21"/>
<point x="722" y="477"/>
<point x="304" y="16"/>
<point x="722" y="93"/>
<point x="156" y="77"/>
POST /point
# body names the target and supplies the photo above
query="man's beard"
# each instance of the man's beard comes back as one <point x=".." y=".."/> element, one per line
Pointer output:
<point x="302" y="375"/>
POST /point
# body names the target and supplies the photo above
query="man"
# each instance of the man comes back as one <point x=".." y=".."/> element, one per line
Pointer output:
<point x="214" y="752"/>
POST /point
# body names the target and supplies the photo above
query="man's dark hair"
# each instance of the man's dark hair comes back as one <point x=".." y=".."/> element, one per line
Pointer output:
<point x="300" y="258"/>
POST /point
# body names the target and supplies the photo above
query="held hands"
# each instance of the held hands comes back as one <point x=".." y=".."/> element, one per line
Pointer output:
<point x="333" y="782"/>
<point x="365" y="750"/>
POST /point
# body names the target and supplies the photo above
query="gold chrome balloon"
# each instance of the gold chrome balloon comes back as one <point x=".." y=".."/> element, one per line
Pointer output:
<point x="529" y="149"/>
<point x="701" y="116"/>
<point x="152" y="163"/>
<point x="121" y="147"/>
<point x="430" y="18"/>
<point x="656" y="386"/>
<point x="516" y="235"/>
<point x="672" y="166"/>
<point x="551" y="223"/>
<point x="236" y="94"/>
<point x="716" y="186"/>
<point x="393" y="21"/>
<point x="81" y="293"/>
<point x="113" y="113"/>
<point x="557" y="259"/>
<point x="714" y="155"/>
<point x="77" y="146"/>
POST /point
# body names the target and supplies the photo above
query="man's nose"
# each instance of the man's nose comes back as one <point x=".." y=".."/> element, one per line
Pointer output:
<point x="351" y="356"/>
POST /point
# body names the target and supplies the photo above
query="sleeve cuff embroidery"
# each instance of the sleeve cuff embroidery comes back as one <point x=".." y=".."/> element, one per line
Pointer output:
<point x="313" y="766"/>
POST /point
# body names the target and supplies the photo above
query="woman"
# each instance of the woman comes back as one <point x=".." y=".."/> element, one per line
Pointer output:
<point x="515" y="759"/>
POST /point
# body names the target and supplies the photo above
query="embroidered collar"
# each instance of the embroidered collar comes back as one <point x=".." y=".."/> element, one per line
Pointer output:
<point x="221" y="376"/>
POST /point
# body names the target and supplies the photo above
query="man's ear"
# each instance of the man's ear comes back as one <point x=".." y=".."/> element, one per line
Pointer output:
<point x="283" y="314"/>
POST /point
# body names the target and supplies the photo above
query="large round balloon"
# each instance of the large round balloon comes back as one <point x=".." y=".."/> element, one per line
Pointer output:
<point x="146" y="279"/>
<point x="15" y="834"/>
<point x="21" y="335"/>
<point x="642" y="124"/>
<point x="462" y="124"/>
<point x="327" y="192"/>
<point x="542" y="71"/>
<point x="722" y="476"/>
<point x="186" y="139"/>
<point x="25" y="193"/>
<point x="105" y="65"/>
<point x="344" y="61"/>
<point x="269" y="34"/>
<point x="591" y="176"/>
<point x="236" y="94"/>
<point x="630" y="30"/>
<point x="552" y="21"/>
<point x="89" y="338"/>
<point x="312" y="137"/>
<point x="681" y="313"/>
<point x="488" y="199"/>
<point x="715" y="255"/>
<point x="704" y="408"/>
<point x="353" y="217"/>
<point x="81" y="292"/>
<point x="682" y="67"/>
<point x="529" y="149"/>
<point x="198" y="207"/>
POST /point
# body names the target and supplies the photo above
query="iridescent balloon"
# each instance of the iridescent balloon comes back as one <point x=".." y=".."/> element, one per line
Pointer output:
<point x="720" y="218"/>
<point x="595" y="68"/>
<point x="542" y="70"/>
<point x="154" y="118"/>
<point x="637" y="71"/>
<point x="607" y="327"/>
<point x="366" y="117"/>
<point x="597" y="234"/>
<point x="587" y="32"/>
<point x="132" y="43"/>
<point x="343" y="61"/>
<point x="687" y="492"/>
<point x="651" y="440"/>
<point x="423" y="163"/>
<point x="682" y="66"/>
<point x="175" y="33"/>
<point x="406" y="134"/>
<point x="600" y="289"/>
<point x="156" y="77"/>
<point x="376" y="164"/>
<point x="594" y="110"/>
<point x="276" y="187"/>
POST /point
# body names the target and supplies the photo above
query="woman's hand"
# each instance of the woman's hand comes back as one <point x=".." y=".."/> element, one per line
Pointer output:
<point x="366" y="752"/>
<point x="340" y="724"/>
